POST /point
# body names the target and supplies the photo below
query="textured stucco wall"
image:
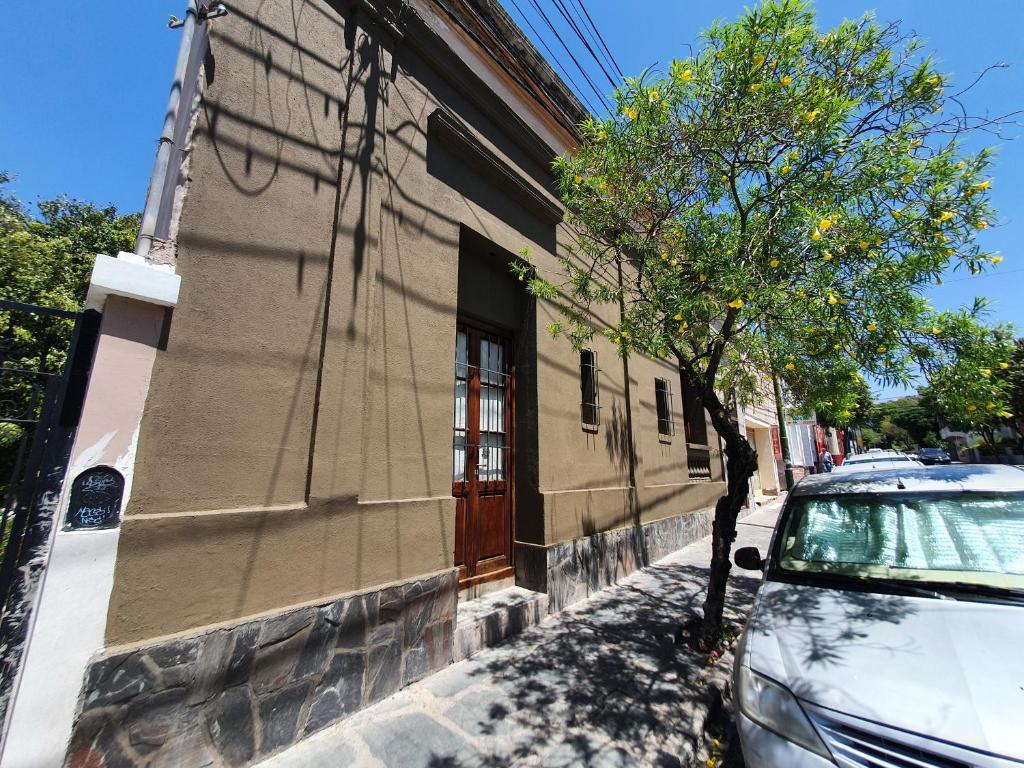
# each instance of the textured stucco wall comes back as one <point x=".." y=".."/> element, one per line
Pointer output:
<point x="256" y="489"/>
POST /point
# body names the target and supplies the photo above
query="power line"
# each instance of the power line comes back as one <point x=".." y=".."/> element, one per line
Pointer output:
<point x="601" y="97"/>
<point x="600" y="38"/>
<point x="554" y="58"/>
<point x="586" y="43"/>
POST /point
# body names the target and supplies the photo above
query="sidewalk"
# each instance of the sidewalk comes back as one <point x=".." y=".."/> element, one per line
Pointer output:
<point x="596" y="685"/>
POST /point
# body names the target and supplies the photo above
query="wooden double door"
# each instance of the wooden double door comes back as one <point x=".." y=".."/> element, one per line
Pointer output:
<point x="483" y="453"/>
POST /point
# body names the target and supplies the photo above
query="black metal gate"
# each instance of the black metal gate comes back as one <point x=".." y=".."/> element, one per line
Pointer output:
<point x="45" y="357"/>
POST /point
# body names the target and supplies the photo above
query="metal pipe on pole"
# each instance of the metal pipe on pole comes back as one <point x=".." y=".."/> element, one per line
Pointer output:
<point x="154" y="194"/>
<point x="780" y="412"/>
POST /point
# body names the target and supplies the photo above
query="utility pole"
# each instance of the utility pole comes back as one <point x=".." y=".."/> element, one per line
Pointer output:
<point x="780" y="411"/>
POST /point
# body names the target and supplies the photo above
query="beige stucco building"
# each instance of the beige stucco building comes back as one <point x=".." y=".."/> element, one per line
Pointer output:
<point x="353" y="416"/>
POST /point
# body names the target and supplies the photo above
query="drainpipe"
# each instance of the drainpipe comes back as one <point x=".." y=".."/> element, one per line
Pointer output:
<point x="780" y="412"/>
<point x="154" y="195"/>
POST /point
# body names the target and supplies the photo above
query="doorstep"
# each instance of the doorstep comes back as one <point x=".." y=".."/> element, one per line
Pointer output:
<point x="498" y="616"/>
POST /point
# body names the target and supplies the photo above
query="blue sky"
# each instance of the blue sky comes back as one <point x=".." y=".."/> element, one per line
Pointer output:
<point x="86" y="82"/>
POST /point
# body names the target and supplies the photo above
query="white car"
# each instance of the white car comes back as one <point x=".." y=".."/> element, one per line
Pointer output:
<point x="888" y="630"/>
<point x="875" y="460"/>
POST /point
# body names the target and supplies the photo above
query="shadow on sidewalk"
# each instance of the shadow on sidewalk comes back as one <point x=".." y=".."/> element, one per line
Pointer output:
<point x="606" y="685"/>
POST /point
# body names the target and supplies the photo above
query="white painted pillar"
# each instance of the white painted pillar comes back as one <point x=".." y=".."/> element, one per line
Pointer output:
<point x="71" y="615"/>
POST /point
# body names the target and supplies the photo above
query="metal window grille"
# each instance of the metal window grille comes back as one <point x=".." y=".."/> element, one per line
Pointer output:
<point x="663" y="401"/>
<point x="590" y="396"/>
<point x="694" y="422"/>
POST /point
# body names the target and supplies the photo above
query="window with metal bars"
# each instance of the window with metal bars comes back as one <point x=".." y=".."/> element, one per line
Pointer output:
<point x="663" y="401"/>
<point x="694" y="421"/>
<point x="590" y="398"/>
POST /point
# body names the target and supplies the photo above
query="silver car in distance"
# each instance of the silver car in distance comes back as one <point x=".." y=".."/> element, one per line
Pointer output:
<point x="888" y="631"/>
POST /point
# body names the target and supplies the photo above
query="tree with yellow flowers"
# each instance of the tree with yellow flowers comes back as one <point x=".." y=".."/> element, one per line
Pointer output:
<point x="777" y="201"/>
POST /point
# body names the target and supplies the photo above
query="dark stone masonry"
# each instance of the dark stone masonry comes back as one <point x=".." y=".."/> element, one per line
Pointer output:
<point x="233" y="695"/>
<point x="574" y="570"/>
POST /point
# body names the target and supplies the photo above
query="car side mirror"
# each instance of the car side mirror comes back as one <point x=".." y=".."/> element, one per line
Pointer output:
<point x="749" y="558"/>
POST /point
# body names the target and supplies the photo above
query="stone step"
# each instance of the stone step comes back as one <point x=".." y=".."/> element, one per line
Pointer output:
<point x="498" y="616"/>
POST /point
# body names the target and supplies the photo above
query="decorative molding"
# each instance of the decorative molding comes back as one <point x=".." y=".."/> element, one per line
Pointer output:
<point x="457" y="136"/>
<point x="132" y="277"/>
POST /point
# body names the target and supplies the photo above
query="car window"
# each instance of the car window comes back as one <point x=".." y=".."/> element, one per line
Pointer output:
<point x="877" y="460"/>
<point x="975" y="538"/>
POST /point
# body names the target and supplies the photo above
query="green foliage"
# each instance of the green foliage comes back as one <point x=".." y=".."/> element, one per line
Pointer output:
<point x="906" y="422"/>
<point x="782" y="199"/>
<point x="46" y="261"/>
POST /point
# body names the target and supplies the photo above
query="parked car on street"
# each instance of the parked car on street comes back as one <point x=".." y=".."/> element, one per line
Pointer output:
<point x="876" y="460"/>
<point x="931" y="456"/>
<point x="887" y="630"/>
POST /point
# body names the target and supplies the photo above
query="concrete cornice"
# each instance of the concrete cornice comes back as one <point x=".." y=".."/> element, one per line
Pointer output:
<point x="458" y="137"/>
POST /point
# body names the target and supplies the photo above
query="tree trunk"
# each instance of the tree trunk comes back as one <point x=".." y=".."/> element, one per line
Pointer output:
<point x="742" y="463"/>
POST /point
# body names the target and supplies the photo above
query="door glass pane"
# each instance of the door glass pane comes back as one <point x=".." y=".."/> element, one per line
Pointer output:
<point x="492" y="457"/>
<point x="492" y="362"/>
<point x="461" y="423"/>
<point x="492" y="409"/>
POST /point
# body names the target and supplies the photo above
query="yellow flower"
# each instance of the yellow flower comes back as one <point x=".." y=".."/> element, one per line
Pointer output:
<point x="824" y="224"/>
<point x="1006" y="415"/>
<point x="1004" y="366"/>
<point x="703" y="278"/>
<point x="827" y="174"/>
<point x="972" y="408"/>
<point x="897" y="213"/>
<point x="736" y="303"/>
<point x="992" y="406"/>
<point x="986" y="372"/>
<point x="934" y="80"/>
<point x="683" y="327"/>
<point x="755" y="87"/>
<point x="521" y="278"/>
<point x="630" y="112"/>
<point x="811" y="116"/>
<point x="603" y="185"/>
<point x="832" y="300"/>
<point x="872" y="327"/>
<point x="996" y="259"/>
<point x="624" y="334"/>
<point x="719" y="56"/>
<point x="936" y="331"/>
<point x="677" y="316"/>
<point x="578" y="179"/>
<point x="675" y="262"/>
<point x="686" y="75"/>
<point x="758" y="60"/>
<point x="982" y="186"/>
<point x="981" y="224"/>
<point x="907" y="178"/>
<point x="882" y="350"/>
<point x="602" y="134"/>
<point x="725" y="179"/>
<point x="785" y="170"/>
<point x="790" y="367"/>
<point x="664" y="257"/>
<point x="916" y="143"/>
<point x="773" y="263"/>
<point x="827" y="256"/>
<point x="816" y="235"/>
<point x="961" y="165"/>
<point x="863" y="245"/>
<point x="786" y="79"/>
<point x="946" y="215"/>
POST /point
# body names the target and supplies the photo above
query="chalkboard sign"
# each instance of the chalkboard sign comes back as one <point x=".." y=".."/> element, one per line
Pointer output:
<point x="96" y="499"/>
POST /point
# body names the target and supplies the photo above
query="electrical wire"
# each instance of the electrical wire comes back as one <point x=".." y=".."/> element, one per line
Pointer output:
<point x="600" y="37"/>
<point x="555" y="60"/>
<point x="560" y="6"/>
<point x="601" y="97"/>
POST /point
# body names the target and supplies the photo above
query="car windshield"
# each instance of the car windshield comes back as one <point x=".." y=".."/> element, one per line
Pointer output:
<point x="953" y="538"/>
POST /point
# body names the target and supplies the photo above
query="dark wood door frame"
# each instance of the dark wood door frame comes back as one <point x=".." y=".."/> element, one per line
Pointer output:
<point x="474" y="567"/>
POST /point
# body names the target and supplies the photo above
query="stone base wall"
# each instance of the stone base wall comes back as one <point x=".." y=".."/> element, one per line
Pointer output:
<point x="571" y="571"/>
<point x="233" y="695"/>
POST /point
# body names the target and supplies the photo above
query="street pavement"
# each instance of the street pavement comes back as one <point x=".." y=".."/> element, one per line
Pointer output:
<point x="599" y="684"/>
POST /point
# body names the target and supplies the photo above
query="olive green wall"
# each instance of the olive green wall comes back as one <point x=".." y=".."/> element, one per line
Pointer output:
<point x="280" y="459"/>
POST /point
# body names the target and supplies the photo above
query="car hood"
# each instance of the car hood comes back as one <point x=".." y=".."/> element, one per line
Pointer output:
<point x="947" y="669"/>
